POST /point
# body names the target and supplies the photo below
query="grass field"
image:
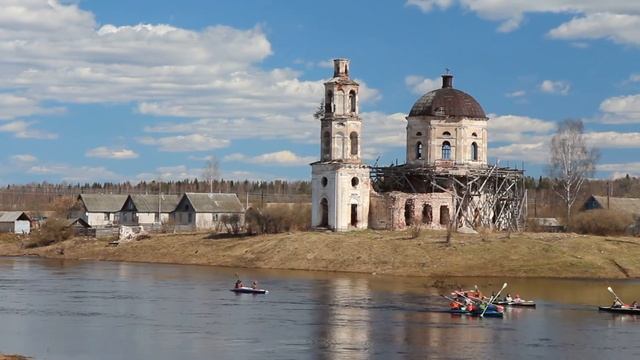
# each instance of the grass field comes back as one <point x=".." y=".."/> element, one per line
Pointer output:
<point x="380" y="252"/>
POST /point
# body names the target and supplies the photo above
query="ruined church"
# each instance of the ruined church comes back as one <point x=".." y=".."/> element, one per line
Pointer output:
<point x="446" y="180"/>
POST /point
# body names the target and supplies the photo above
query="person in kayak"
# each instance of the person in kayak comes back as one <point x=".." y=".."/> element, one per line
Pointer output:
<point x="254" y="284"/>
<point x="617" y="303"/>
<point x="517" y="298"/>
<point x="508" y="298"/>
<point x="238" y="284"/>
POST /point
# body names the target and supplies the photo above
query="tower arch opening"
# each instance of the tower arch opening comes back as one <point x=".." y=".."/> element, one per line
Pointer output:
<point x="353" y="139"/>
<point x="446" y="150"/>
<point x="324" y="213"/>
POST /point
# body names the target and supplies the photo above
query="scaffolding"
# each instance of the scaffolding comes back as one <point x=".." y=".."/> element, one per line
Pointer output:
<point x="485" y="197"/>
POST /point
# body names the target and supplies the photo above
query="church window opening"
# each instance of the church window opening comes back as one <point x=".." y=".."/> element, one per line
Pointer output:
<point x="328" y="104"/>
<point x="444" y="215"/>
<point x="340" y="144"/>
<point x="408" y="212"/>
<point x="418" y="133"/>
<point x="352" y="100"/>
<point x="446" y="134"/>
<point x="474" y="151"/>
<point x="427" y="214"/>
<point x="324" y="213"/>
<point x="324" y="181"/>
<point x="355" y="181"/>
<point x="419" y="150"/>
<point x="354" y="143"/>
<point x="326" y="145"/>
<point x="446" y="151"/>
<point x="440" y="111"/>
<point x="474" y="135"/>
<point x="354" y="214"/>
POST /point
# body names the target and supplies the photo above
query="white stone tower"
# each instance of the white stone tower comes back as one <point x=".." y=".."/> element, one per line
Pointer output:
<point x="340" y="182"/>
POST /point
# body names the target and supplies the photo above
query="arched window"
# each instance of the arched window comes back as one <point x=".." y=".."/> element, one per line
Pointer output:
<point x="446" y="151"/>
<point x="444" y="215"/>
<point x="328" y="103"/>
<point x="446" y="134"/>
<point x="474" y="151"/>
<point x="419" y="150"/>
<point x="353" y="137"/>
<point x="324" y="213"/>
<point x="408" y="212"/>
<point x="352" y="100"/>
<point x="427" y="214"/>
<point x="326" y="145"/>
<point x="340" y="145"/>
<point x="474" y="135"/>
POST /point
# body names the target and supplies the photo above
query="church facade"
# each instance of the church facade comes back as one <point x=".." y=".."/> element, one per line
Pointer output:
<point x="446" y="179"/>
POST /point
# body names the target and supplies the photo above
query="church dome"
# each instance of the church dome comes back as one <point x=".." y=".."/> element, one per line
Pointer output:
<point x="447" y="101"/>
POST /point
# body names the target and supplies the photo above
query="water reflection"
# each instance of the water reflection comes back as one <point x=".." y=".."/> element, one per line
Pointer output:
<point x="54" y="309"/>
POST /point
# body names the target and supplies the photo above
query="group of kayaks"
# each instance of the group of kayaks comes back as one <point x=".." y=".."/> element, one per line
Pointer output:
<point x="473" y="303"/>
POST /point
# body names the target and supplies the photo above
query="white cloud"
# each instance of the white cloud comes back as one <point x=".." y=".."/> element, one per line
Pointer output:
<point x="111" y="153"/>
<point x="516" y="94"/>
<point x="515" y="128"/>
<point x="74" y="174"/>
<point x="536" y="153"/>
<point x="428" y="5"/>
<point x="634" y="78"/>
<point x="13" y="106"/>
<point x="619" y="170"/>
<point x="22" y="129"/>
<point x="278" y="158"/>
<point x="620" y="28"/>
<point x="24" y="158"/>
<point x="182" y="143"/>
<point x="613" y="19"/>
<point x="621" y="109"/>
<point x="613" y="139"/>
<point x="420" y="85"/>
<point x="555" y="87"/>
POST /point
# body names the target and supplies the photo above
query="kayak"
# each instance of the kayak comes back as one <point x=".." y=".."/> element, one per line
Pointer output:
<point x="248" y="290"/>
<point x="488" y="313"/>
<point x="527" y="303"/>
<point x="620" y="310"/>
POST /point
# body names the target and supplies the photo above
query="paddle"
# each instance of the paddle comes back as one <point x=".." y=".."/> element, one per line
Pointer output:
<point x="614" y="294"/>
<point x="452" y="299"/>
<point x="493" y="298"/>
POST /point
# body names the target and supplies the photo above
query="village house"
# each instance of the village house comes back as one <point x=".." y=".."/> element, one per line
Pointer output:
<point x="202" y="211"/>
<point x="142" y="209"/>
<point x="16" y="222"/>
<point x="625" y="205"/>
<point x="99" y="209"/>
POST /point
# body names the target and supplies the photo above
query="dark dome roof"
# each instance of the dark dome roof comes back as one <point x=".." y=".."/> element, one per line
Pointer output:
<point x="447" y="102"/>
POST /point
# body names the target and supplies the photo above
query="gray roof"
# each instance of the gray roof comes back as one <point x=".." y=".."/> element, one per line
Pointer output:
<point x="214" y="202"/>
<point x="103" y="202"/>
<point x="11" y="216"/>
<point x="149" y="203"/>
<point x="630" y="205"/>
<point x="77" y="221"/>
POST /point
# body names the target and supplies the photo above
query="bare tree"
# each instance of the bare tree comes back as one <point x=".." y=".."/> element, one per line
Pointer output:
<point x="211" y="171"/>
<point x="571" y="162"/>
<point x="319" y="113"/>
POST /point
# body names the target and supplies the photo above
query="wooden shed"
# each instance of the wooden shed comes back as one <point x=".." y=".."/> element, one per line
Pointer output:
<point x="17" y="222"/>
<point x="204" y="211"/>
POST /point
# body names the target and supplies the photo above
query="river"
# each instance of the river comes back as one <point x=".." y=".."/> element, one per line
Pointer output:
<point x="61" y="309"/>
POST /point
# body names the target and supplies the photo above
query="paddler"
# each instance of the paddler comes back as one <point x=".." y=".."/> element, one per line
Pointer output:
<point x="238" y="284"/>
<point x="508" y="298"/>
<point x="617" y="303"/>
<point x="254" y="284"/>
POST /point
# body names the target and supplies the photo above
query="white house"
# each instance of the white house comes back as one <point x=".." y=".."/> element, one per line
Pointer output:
<point x="16" y="222"/>
<point x="202" y="211"/>
<point x="100" y="209"/>
<point x="148" y="209"/>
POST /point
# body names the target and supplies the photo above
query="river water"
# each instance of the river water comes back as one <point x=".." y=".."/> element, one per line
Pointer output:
<point x="55" y="309"/>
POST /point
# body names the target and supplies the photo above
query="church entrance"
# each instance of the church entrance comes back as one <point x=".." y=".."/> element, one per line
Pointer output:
<point x="408" y="212"/>
<point x="354" y="214"/>
<point x="324" y="213"/>
<point x="444" y="215"/>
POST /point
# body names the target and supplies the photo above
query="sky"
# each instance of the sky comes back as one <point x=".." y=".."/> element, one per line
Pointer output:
<point x="139" y="90"/>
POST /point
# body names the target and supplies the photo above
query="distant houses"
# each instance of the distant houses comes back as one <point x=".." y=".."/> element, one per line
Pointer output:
<point x="199" y="211"/>
<point x="190" y="211"/>
<point x="16" y="222"/>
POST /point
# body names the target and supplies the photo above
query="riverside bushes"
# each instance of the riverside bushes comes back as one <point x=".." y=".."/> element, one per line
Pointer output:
<point x="601" y="222"/>
<point x="278" y="218"/>
<point x="53" y="231"/>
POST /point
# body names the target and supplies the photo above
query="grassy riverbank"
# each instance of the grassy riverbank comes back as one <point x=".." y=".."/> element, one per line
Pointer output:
<point x="13" y="357"/>
<point x="381" y="252"/>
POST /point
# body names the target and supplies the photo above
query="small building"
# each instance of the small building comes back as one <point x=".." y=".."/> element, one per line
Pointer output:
<point x="17" y="222"/>
<point x="628" y="205"/>
<point x="99" y="209"/>
<point x="79" y="227"/>
<point x="205" y="211"/>
<point x="142" y="209"/>
<point x="547" y="225"/>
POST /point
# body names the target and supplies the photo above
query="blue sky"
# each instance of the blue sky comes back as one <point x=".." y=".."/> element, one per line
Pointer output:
<point x="119" y="90"/>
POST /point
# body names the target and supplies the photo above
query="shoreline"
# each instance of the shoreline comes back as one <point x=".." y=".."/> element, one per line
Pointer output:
<point x="518" y="255"/>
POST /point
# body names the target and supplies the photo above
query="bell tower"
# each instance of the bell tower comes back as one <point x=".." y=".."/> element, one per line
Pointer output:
<point x="340" y="181"/>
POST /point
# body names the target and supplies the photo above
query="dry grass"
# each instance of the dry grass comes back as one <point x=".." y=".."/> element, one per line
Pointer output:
<point x="13" y="357"/>
<point x="381" y="252"/>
